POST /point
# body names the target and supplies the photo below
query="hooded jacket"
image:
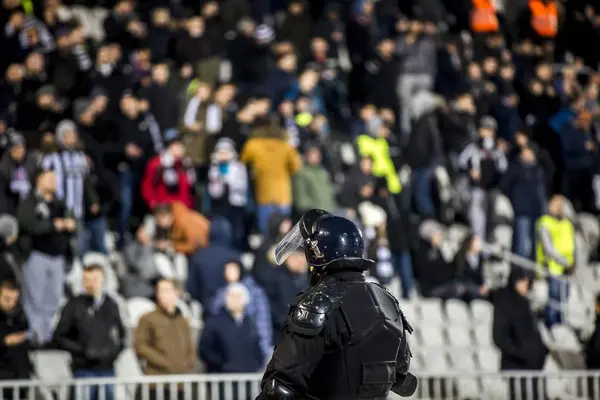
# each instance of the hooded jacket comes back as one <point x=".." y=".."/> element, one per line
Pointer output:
<point x="205" y="275"/>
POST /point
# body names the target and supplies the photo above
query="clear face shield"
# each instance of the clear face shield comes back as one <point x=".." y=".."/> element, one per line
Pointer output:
<point x="295" y="239"/>
<point x="292" y="241"/>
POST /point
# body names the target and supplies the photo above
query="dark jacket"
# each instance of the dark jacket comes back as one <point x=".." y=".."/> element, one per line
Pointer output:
<point x="515" y="332"/>
<point x="524" y="186"/>
<point x="14" y="360"/>
<point x="93" y="334"/>
<point x="36" y="219"/>
<point x="206" y="267"/>
<point x="15" y="181"/>
<point x="592" y="348"/>
<point x="230" y="346"/>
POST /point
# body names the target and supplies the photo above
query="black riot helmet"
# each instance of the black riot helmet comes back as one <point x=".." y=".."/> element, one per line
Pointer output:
<point x="326" y="239"/>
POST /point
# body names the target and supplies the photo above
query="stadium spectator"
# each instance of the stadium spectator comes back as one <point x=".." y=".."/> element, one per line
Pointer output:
<point x="90" y="329"/>
<point x="557" y="252"/>
<point x="169" y="176"/>
<point x="273" y="162"/>
<point x="154" y="253"/>
<point x="73" y="184"/>
<point x="289" y="280"/>
<point x="264" y="261"/>
<point x="47" y="225"/>
<point x="230" y="341"/>
<point x="485" y="163"/>
<point x="257" y="309"/>
<point x="163" y="338"/>
<point x="10" y="257"/>
<point x="312" y="186"/>
<point x="228" y="189"/>
<point x="426" y="152"/>
<point x="523" y="184"/>
<point x="207" y="265"/>
<point x="516" y="334"/>
<point x="14" y="338"/>
<point x="432" y="259"/>
<point x="17" y="168"/>
<point x="139" y="141"/>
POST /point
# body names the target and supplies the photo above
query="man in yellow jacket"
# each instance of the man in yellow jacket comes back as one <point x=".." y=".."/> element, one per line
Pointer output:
<point x="556" y="251"/>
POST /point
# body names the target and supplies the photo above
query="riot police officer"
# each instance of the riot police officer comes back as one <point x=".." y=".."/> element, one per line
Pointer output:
<point x="344" y="338"/>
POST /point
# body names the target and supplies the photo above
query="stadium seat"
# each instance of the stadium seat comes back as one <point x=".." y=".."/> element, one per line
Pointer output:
<point x="590" y="228"/>
<point x="431" y="312"/>
<point x="127" y="365"/>
<point x="410" y="311"/>
<point x="482" y="311"/>
<point x="434" y="361"/>
<point x="457" y="232"/>
<point x="564" y="338"/>
<point x="138" y="307"/>
<point x="459" y="336"/>
<point x="432" y="336"/>
<point x="462" y="361"/>
<point x="503" y="208"/>
<point x="52" y="365"/>
<point x="483" y="334"/>
<point x="457" y="313"/>
<point x="488" y="359"/>
<point x="503" y="235"/>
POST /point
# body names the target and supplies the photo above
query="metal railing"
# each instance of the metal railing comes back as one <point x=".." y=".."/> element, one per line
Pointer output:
<point x="564" y="385"/>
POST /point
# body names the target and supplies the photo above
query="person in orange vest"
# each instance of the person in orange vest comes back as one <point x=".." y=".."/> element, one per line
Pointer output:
<point x="544" y="18"/>
<point x="483" y="17"/>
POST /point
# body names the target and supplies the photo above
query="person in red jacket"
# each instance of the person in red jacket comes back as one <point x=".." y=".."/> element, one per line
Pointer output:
<point x="169" y="176"/>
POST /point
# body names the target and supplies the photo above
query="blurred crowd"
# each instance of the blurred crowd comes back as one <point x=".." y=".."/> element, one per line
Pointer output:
<point x="179" y="129"/>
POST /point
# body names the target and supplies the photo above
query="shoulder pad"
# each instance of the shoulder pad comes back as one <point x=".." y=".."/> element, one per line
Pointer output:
<point x="308" y="315"/>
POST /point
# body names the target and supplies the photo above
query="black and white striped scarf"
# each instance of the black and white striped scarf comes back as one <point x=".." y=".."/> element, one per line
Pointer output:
<point x="71" y="171"/>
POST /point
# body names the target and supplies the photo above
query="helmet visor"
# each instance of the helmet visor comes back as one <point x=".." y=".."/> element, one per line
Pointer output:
<point x="289" y="244"/>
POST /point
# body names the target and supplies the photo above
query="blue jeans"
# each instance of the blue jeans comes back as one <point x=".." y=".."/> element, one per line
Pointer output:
<point x="127" y="188"/>
<point x="92" y="237"/>
<point x="403" y="267"/>
<point x="523" y="236"/>
<point x="558" y="294"/>
<point x="422" y="179"/>
<point x="93" y="393"/>
<point x="264" y="212"/>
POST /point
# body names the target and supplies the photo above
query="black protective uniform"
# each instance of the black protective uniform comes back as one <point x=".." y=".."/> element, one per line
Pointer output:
<point x="344" y="338"/>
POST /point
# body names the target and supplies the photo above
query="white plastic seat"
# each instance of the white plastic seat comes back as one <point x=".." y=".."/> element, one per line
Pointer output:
<point x="457" y="232"/>
<point x="488" y="359"/>
<point x="435" y="361"/>
<point x="431" y="312"/>
<point x="137" y="307"/>
<point x="459" y="336"/>
<point x="482" y="311"/>
<point x="127" y="364"/>
<point x="503" y="235"/>
<point x="432" y="337"/>
<point x="457" y="313"/>
<point x="462" y="361"/>
<point x="565" y="339"/>
<point x="483" y="335"/>
<point x="410" y="312"/>
<point x="53" y="366"/>
<point x="503" y="208"/>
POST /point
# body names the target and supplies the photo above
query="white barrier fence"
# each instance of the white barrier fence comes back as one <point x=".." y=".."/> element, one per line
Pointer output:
<point x="563" y="385"/>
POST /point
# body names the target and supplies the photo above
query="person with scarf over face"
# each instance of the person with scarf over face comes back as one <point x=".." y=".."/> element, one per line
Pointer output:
<point x="169" y="176"/>
<point x="228" y="188"/>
